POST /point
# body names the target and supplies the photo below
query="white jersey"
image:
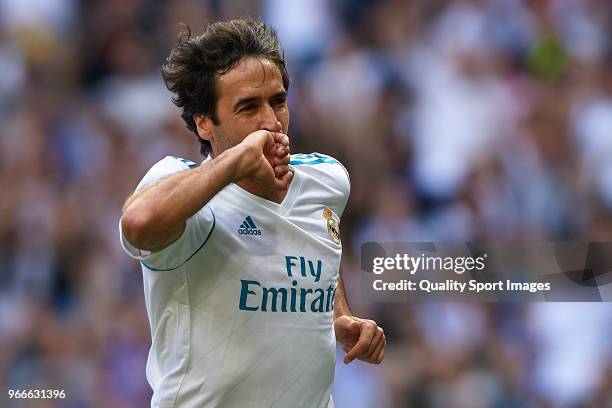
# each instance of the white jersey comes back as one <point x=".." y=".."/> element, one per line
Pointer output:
<point x="241" y="306"/>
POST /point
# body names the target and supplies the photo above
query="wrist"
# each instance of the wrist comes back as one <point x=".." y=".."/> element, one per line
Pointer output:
<point x="237" y="164"/>
<point x="243" y="159"/>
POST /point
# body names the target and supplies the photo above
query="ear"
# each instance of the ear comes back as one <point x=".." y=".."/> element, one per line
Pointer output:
<point x="204" y="126"/>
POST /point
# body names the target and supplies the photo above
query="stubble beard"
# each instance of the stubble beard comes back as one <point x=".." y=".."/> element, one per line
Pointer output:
<point x="223" y="142"/>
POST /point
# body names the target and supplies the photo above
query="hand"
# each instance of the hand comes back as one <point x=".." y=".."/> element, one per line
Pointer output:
<point x="360" y="339"/>
<point x="265" y="159"/>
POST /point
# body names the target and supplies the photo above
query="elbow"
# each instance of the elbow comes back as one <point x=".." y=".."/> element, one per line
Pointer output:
<point x="135" y="226"/>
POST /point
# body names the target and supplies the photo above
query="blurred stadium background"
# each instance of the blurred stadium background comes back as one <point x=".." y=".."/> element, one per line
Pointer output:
<point x="458" y="120"/>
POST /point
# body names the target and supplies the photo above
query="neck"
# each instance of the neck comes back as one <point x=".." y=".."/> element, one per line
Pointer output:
<point x="256" y="189"/>
<point x="270" y="195"/>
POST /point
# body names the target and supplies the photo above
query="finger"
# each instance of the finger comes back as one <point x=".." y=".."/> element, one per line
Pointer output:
<point x="281" y="160"/>
<point x="280" y="138"/>
<point x="279" y="150"/>
<point x="355" y="326"/>
<point x="377" y="342"/>
<point x="282" y="151"/>
<point x="376" y="351"/>
<point x="381" y="353"/>
<point x="281" y="183"/>
<point x="365" y="338"/>
<point x="281" y="170"/>
<point x="347" y="346"/>
<point x="372" y="350"/>
<point x="351" y="327"/>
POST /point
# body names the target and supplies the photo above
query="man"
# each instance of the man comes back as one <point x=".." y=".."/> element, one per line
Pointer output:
<point x="241" y="254"/>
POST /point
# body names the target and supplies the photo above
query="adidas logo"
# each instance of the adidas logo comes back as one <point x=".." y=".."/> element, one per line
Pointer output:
<point x="248" y="227"/>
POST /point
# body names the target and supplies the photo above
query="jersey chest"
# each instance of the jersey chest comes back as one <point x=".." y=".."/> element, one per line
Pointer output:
<point x="289" y="248"/>
<point x="255" y="228"/>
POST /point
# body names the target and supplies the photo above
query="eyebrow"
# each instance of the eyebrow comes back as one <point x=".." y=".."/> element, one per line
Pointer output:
<point x="249" y="99"/>
<point x="244" y="101"/>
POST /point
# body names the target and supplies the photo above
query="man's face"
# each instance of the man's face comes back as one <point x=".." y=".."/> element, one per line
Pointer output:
<point x="251" y="97"/>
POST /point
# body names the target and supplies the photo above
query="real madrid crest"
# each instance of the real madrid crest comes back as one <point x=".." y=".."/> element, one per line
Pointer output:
<point x="332" y="225"/>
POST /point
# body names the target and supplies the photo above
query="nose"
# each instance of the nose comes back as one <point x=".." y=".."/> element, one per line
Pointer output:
<point x="269" y="120"/>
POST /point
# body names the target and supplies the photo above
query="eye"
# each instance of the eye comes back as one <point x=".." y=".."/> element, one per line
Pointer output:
<point x="247" y="108"/>
<point x="279" y="100"/>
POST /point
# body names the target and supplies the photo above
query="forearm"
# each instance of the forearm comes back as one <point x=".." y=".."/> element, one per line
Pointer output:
<point x="155" y="216"/>
<point x="341" y="306"/>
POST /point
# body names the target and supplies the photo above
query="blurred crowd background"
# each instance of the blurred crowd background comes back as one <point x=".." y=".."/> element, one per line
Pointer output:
<point x="458" y="120"/>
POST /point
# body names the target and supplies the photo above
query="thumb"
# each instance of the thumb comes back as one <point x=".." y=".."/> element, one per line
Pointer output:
<point x="345" y="322"/>
<point x="355" y="325"/>
<point x="351" y="327"/>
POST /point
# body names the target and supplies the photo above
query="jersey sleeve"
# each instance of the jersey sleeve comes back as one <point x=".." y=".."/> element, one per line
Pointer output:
<point x="342" y="184"/>
<point x="197" y="228"/>
<point x="331" y="174"/>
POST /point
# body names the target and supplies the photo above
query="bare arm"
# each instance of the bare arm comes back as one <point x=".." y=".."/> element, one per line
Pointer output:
<point x="155" y="217"/>
<point x="341" y="306"/>
<point x="360" y="339"/>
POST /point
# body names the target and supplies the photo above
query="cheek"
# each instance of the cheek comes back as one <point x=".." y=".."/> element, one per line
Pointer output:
<point x="283" y="118"/>
<point x="241" y="129"/>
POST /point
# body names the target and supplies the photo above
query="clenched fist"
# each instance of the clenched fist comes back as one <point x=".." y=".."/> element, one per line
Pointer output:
<point x="264" y="158"/>
<point x="361" y="339"/>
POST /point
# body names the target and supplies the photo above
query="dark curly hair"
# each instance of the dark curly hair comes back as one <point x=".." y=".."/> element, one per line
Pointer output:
<point x="192" y="68"/>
